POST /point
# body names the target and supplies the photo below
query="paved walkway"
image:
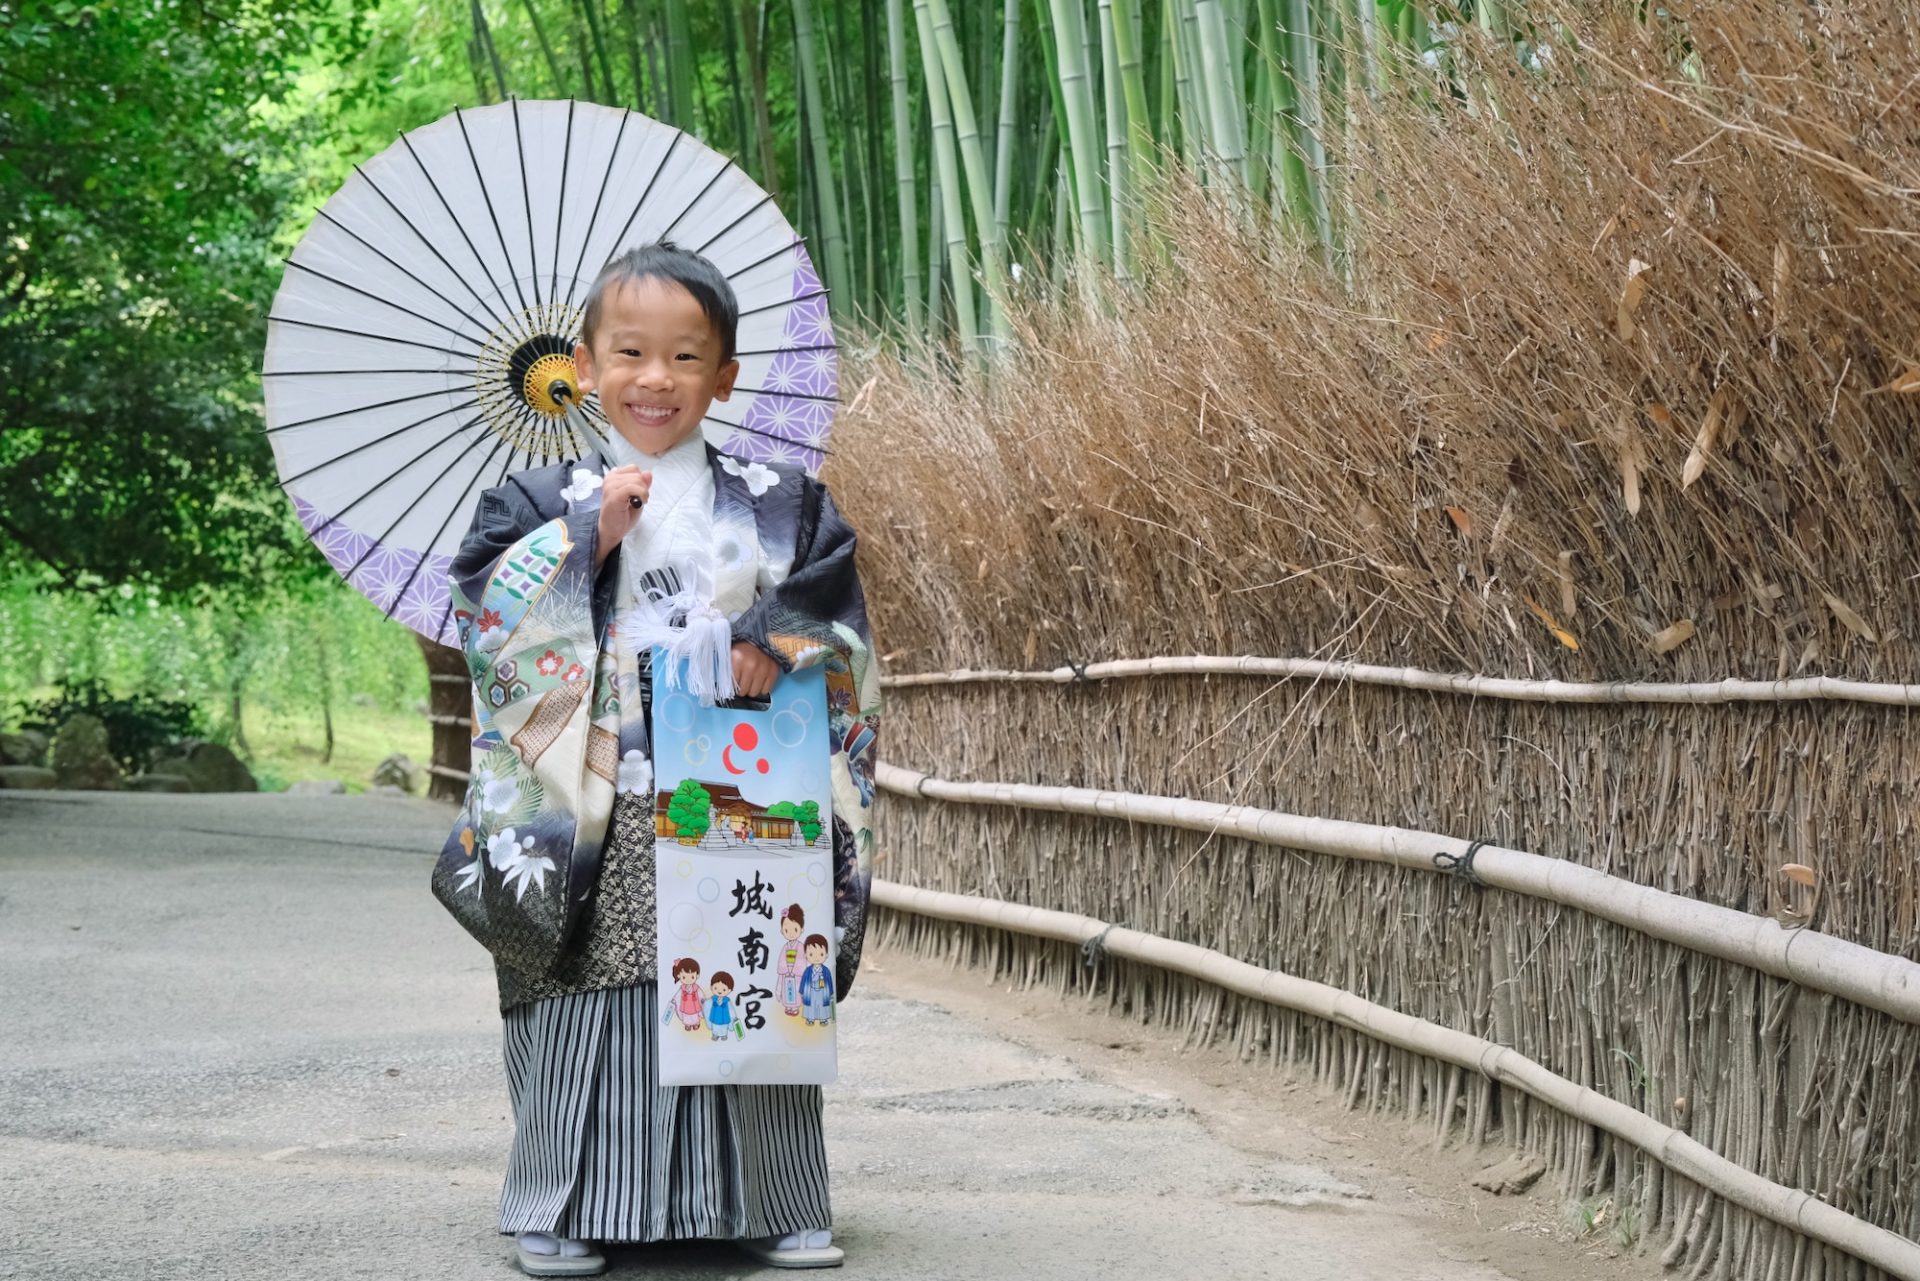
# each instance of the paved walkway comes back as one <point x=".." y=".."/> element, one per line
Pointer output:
<point x="243" y="1041"/>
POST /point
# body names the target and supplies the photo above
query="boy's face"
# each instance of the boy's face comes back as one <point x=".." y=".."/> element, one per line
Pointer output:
<point x="721" y="988"/>
<point x="816" y="953"/>
<point x="655" y="361"/>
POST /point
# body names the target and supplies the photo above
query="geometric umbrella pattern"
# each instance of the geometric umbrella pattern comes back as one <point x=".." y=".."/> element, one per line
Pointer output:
<point x="420" y="347"/>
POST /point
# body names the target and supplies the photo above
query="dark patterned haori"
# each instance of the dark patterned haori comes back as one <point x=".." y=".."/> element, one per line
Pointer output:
<point x="560" y="727"/>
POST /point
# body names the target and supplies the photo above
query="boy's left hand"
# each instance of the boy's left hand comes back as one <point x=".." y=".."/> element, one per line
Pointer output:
<point x="753" y="672"/>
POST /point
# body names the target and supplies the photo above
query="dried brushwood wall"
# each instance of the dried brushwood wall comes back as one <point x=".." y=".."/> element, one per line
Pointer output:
<point x="1623" y="382"/>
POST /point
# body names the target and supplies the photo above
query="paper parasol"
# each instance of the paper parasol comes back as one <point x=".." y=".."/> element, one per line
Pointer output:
<point x="421" y="345"/>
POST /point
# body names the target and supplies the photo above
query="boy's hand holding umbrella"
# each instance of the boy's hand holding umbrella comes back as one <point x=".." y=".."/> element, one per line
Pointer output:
<point x="622" y="494"/>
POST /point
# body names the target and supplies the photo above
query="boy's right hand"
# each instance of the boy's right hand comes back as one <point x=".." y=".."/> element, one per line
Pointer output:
<point x="618" y="515"/>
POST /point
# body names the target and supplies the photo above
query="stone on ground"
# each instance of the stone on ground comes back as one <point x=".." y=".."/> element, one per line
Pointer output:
<point x="397" y="771"/>
<point x="27" y="776"/>
<point x="81" y="760"/>
<point x="209" y="767"/>
<point x="27" y="747"/>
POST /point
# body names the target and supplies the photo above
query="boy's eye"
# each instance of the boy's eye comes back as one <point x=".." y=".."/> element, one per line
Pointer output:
<point x="628" y="351"/>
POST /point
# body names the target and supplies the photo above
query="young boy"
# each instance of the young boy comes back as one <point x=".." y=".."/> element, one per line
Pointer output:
<point x="562" y="567"/>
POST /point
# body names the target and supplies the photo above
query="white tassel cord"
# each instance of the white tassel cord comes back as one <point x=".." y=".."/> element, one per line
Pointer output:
<point x="699" y="655"/>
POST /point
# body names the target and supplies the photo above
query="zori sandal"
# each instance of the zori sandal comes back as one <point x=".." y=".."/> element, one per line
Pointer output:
<point x="555" y="1264"/>
<point x="795" y="1254"/>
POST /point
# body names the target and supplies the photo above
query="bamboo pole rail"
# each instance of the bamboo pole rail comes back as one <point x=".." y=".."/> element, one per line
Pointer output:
<point x="1731" y="690"/>
<point x="1786" y="1206"/>
<point x="1877" y="980"/>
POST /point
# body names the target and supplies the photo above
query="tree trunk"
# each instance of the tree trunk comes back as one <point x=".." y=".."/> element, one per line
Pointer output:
<point x="450" y="703"/>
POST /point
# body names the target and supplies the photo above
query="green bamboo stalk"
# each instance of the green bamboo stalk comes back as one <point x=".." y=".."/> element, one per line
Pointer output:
<point x="1040" y="207"/>
<point x="936" y="237"/>
<point x="1304" y="60"/>
<point x="1366" y="19"/>
<point x="1133" y="85"/>
<point x="1119" y="174"/>
<point x="839" y="274"/>
<point x="1193" y="116"/>
<point x="742" y="139"/>
<point x="1076" y="89"/>
<point x="546" y="47"/>
<point x="1219" y="74"/>
<point x="1009" y="107"/>
<point x="856" y="201"/>
<point x="952" y="216"/>
<point x="1049" y="53"/>
<point x="635" y="61"/>
<point x="1260" y="114"/>
<point x="877" y="234"/>
<point x="979" y="185"/>
<point x="750" y="35"/>
<point x="484" y="35"/>
<point x="592" y="10"/>
<point x="681" y="62"/>
<point x="904" y="170"/>
<point x="1168" y="123"/>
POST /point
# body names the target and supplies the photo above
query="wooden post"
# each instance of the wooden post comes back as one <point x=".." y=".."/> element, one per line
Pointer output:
<point x="450" y="708"/>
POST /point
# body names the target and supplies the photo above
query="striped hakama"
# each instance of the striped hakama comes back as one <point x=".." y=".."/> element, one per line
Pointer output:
<point x="602" y="1152"/>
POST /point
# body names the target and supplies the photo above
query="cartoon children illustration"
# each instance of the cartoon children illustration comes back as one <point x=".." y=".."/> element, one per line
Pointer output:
<point x="816" y="982"/>
<point x="793" y="922"/>
<point x="720" y="1018"/>
<point x="686" y="995"/>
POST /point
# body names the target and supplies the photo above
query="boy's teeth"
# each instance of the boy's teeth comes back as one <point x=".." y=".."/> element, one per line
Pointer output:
<point x="649" y="411"/>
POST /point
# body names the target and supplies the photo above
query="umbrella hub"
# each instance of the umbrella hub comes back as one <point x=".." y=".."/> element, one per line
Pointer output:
<point x="542" y="370"/>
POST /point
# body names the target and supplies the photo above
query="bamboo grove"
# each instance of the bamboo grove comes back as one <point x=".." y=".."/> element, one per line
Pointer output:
<point x="935" y="151"/>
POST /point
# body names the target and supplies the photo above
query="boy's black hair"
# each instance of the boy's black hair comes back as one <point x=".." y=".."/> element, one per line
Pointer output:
<point x="664" y="260"/>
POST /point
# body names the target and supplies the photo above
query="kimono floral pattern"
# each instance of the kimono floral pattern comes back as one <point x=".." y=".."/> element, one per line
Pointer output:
<point x="561" y="731"/>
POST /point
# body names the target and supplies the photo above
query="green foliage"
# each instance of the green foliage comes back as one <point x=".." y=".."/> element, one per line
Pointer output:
<point x="808" y="816"/>
<point x="135" y="725"/>
<point x="780" y="809"/>
<point x="289" y="655"/>
<point x="687" y="808"/>
<point x="137" y="210"/>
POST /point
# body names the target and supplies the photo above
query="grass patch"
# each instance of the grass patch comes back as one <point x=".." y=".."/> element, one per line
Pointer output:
<point x="287" y="747"/>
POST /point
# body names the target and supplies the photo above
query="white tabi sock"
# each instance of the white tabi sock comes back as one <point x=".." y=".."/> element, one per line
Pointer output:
<point x="547" y="1243"/>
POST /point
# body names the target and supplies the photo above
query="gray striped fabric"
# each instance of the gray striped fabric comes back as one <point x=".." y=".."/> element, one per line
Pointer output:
<point x="602" y="1152"/>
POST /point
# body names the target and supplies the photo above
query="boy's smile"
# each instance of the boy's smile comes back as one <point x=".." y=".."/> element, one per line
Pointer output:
<point x="656" y="362"/>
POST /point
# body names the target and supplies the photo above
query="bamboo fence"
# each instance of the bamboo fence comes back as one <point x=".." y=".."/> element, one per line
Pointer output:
<point x="1589" y="497"/>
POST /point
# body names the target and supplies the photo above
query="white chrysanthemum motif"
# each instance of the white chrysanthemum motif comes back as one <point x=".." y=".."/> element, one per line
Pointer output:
<point x="585" y="482"/>
<point x="497" y="795"/>
<point x="636" y="772"/>
<point x="509" y="852"/>
<point x="782" y="377"/>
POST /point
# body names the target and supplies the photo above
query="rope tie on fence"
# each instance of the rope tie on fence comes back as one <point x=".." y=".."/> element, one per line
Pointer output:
<point x="1079" y="670"/>
<point x="1461" y="865"/>
<point x="1094" y="948"/>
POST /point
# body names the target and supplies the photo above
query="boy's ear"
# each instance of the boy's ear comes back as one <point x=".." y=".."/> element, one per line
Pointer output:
<point x="583" y="366"/>
<point x="723" y="385"/>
